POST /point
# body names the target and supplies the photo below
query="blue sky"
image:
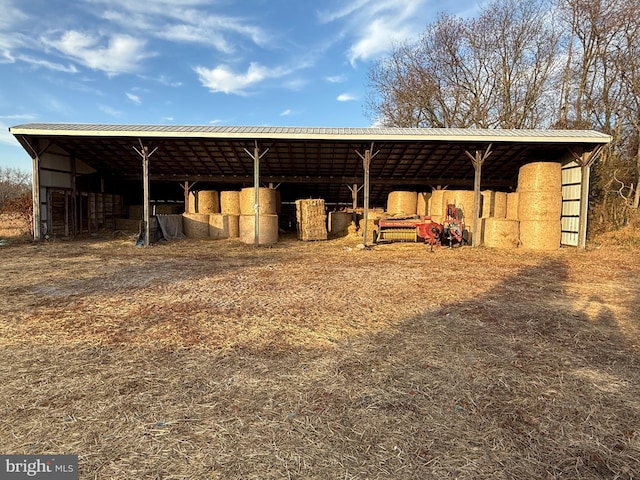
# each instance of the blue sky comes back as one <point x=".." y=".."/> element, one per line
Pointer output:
<point x="197" y="62"/>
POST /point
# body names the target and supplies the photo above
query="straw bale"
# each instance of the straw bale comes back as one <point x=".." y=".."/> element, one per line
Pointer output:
<point x="402" y="203"/>
<point x="540" y="234"/>
<point x="195" y="225"/>
<point x="540" y="177"/>
<point x="462" y="199"/>
<point x="512" y="205"/>
<point x="168" y="208"/>
<point x="208" y="201"/>
<point x="311" y="221"/>
<point x="268" y="229"/>
<point x="371" y="226"/>
<point x="339" y="223"/>
<point x="540" y="205"/>
<point x="436" y="207"/>
<point x="500" y="233"/>
<point x="267" y="199"/>
<point x="191" y="207"/>
<point x="234" y="225"/>
<point x="423" y="203"/>
<point x="500" y="208"/>
<point x="218" y="225"/>
<point x="230" y="202"/>
<point x="488" y="203"/>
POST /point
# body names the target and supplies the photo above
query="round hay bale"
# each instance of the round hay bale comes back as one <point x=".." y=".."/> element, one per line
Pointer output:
<point x="512" y="205"/>
<point x="191" y="206"/>
<point x="230" y="202"/>
<point x="540" y="234"/>
<point x="268" y="229"/>
<point x="539" y="205"/>
<point x="463" y="200"/>
<point x="488" y="203"/>
<point x="500" y="233"/>
<point x="218" y="225"/>
<point x="195" y="225"/>
<point x="540" y="177"/>
<point x="500" y="207"/>
<point x="267" y="199"/>
<point x="339" y="223"/>
<point x="402" y="203"/>
<point x="234" y="225"/>
<point x="435" y="203"/>
<point x="423" y="203"/>
<point x="208" y="201"/>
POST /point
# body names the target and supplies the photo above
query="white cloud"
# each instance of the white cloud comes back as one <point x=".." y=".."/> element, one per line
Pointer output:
<point x="37" y="62"/>
<point x="286" y="112"/>
<point x="346" y="97"/>
<point x="336" y="79"/>
<point x="223" y="79"/>
<point x="120" y="54"/>
<point x="134" y="98"/>
<point x="377" y="24"/>
<point x="110" y="110"/>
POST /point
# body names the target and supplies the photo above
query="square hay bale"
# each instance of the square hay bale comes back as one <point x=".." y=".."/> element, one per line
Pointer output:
<point x="311" y="220"/>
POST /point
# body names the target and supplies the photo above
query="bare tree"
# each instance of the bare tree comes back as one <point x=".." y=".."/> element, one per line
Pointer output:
<point x="13" y="183"/>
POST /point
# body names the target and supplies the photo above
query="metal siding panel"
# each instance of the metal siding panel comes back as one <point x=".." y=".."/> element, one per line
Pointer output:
<point x="570" y="219"/>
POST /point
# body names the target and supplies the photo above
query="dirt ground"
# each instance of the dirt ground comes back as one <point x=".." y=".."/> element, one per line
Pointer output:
<point x="214" y="359"/>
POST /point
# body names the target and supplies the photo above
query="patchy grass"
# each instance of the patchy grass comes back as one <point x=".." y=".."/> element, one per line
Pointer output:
<point x="214" y="359"/>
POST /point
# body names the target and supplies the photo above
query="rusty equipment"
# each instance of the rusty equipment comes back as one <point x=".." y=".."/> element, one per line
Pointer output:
<point x="411" y="228"/>
<point x="453" y="231"/>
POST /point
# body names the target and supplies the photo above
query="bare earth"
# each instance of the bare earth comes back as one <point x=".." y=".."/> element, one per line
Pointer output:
<point x="214" y="359"/>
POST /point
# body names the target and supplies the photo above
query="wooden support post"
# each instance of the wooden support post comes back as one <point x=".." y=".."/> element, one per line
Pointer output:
<point x="257" y="156"/>
<point x="74" y="195"/>
<point x="477" y="160"/>
<point x="187" y="187"/>
<point x="366" y="164"/>
<point x="146" y="210"/>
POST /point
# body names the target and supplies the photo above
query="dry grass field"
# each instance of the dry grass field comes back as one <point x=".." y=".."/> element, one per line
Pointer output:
<point x="214" y="359"/>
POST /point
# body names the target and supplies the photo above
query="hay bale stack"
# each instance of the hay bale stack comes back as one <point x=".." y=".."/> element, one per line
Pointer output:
<point x="540" y="177"/>
<point x="500" y="233"/>
<point x="538" y="235"/>
<point x="339" y="223"/>
<point x="423" y="203"/>
<point x="195" y="225"/>
<point x="234" y="225"/>
<point x="488" y="203"/>
<point x="218" y="226"/>
<point x="230" y="202"/>
<point x="267" y="199"/>
<point x="268" y="229"/>
<point x="136" y="212"/>
<point x="208" y="201"/>
<point x="540" y="205"/>
<point x="191" y="206"/>
<point x="512" y="205"/>
<point x="436" y="207"/>
<point x="500" y="208"/>
<point x="402" y="203"/>
<point x="311" y="220"/>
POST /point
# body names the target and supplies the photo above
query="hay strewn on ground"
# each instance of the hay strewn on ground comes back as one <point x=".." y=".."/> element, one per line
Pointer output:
<point x="215" y="359"/>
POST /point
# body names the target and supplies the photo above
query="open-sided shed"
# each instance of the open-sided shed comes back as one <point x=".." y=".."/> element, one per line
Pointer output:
<point x="121" y="164"/>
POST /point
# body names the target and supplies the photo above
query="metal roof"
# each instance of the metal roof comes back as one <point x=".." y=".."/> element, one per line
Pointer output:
<point x="307" y="161"/>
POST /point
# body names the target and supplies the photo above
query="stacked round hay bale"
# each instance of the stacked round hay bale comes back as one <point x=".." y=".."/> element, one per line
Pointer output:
<point x="500" y="233"/>
<point x="268" y="223"/>
<point x="230" y="206"/>
<point x="218" y="226"/>
<point x="195" y="225"/>
<point x="512" y="205"/>
<point x="500" y="205"/>
<point x="423" y="203"/>
<point x="436" y="209"/>
<point x="540" y="205"/>
<point x="488" y="203"/>
<point x="402" y="203"/>
<point x="208" y="201"/>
